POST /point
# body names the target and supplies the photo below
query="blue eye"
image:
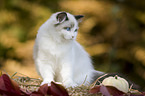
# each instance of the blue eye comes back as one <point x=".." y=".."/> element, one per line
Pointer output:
<point x="67" y="28"/>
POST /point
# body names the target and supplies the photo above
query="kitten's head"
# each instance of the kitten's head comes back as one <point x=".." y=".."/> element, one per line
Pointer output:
<point x="66" y="24"/>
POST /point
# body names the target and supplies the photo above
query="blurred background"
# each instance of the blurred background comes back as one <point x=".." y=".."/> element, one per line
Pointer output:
<point x="112" y="32"/>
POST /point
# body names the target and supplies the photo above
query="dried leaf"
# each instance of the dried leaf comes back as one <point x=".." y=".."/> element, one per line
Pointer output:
<point x="104" y="90"/>
<point x="44" y="89"/>
<point x="143" y="93"/>
<point x="8" y="87"/>
<point x="54" y="90"/>
<point x="58" y="90"/>
<point x="114" y="91"/>
<point x="35" y="93"/>
<point x="95" y="89"/>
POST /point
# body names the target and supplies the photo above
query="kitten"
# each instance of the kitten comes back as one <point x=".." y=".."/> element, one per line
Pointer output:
<point x="58" y="56"/>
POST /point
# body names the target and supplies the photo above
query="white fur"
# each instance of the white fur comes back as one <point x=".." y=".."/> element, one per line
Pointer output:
<point x="59" y="57"/>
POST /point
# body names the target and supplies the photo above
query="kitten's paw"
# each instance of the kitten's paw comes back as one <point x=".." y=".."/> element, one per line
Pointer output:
<point x="46" y="82"/>
<point x="49" y="83"/>
<point x="70" y="85"/>
<point x="42" y="83"/>
<point x="58" y="83"/>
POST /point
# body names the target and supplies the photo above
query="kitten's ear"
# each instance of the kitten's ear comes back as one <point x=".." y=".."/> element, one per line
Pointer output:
<point x="79" y="17"/>
<point x="61" y="17"/>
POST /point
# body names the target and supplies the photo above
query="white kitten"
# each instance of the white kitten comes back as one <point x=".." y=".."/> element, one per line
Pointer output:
<point x="58" y="56"/>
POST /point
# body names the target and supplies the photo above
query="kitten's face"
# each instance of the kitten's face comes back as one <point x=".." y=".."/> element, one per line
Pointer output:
<point x="66" y="25"/>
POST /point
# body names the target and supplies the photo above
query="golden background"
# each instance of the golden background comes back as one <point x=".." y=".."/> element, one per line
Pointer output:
<point x="112" y="32"/>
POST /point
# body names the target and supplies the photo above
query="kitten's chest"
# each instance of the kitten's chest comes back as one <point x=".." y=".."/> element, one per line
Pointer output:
<point x="55" y="49"/>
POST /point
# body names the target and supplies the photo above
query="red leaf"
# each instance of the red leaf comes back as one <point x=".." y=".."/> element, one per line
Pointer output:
<point x="114" y="91"/>
<point x="8" y="87"/>
<point x="2" y="85"/>
<point x="96" y="89"/>
<point x="35" y="93"/>
<point x="143" y="93"/>
<point x="54" y="90"/>
<point x="44" y="89"/>
<point x="104" y="91"/>
<point x="49" y="91"/>
<point x="58" y="90"/>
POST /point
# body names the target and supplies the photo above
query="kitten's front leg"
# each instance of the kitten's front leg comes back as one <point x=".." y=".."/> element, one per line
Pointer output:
<point x="67" y="75"/>
<point x="46" y="71"/>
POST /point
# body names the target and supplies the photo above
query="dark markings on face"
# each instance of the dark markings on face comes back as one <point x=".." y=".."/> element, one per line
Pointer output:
<point x="56" y="24"/>
<point x="78" y="17"/>
<point x="60" y="23"/>
<point x="70" y="27"/>
<point x="61" y="18"/>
